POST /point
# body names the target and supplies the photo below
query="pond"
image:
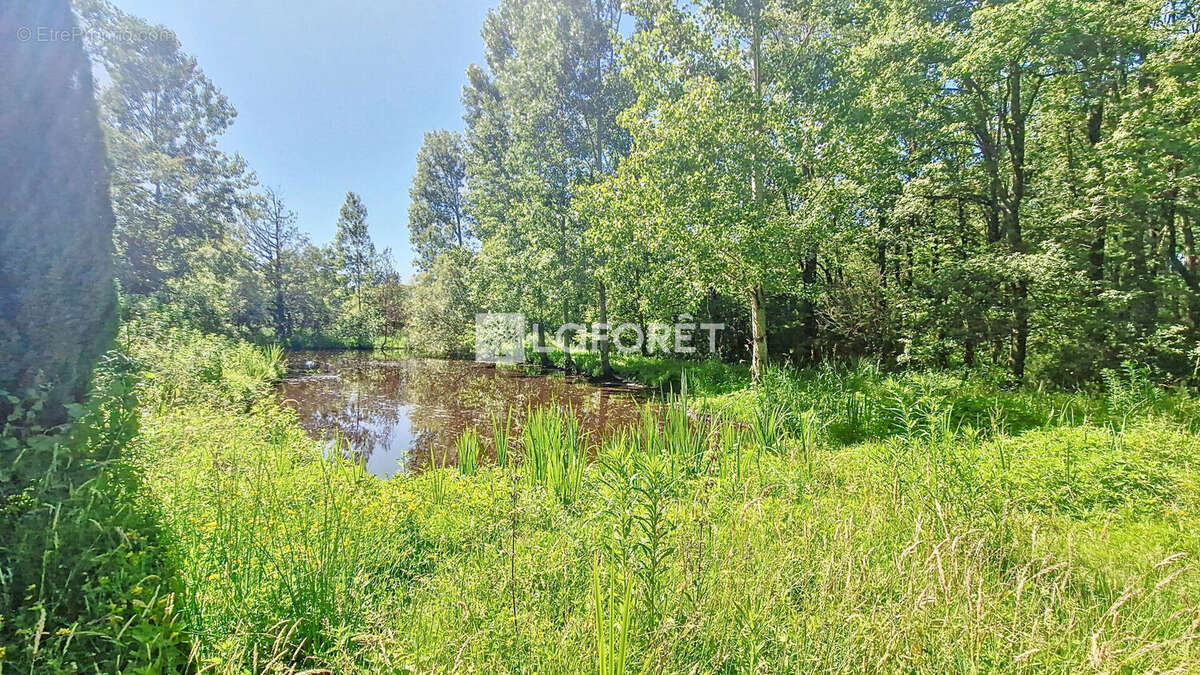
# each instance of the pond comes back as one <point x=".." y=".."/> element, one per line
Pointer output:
<point x="398" y="415"/>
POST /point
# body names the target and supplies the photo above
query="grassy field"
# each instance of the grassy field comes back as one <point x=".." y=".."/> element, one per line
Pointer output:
<point x="839" y="519"/>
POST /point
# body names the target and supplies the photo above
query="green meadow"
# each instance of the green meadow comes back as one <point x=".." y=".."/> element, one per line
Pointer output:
<point x="827" y="520"/>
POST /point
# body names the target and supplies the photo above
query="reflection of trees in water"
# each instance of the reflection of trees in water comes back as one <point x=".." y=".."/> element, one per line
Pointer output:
<point x="416" y="409"/>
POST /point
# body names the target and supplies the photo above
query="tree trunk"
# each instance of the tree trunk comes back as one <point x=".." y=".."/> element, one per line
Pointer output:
<point x="758" y="333"/>
<point x="605" y="368"/>
<point x="1144" y="306"/>
<point x="1191" y="271"/>
<point x="1100" y="228"/>
<point x="758" y="309"/>
<point x="568" y="337"/>
<point x="541" y="344"/>
<point x="808" y="309"/>
<point x="1015" y="128"/>
<point x="1020" y="332"/>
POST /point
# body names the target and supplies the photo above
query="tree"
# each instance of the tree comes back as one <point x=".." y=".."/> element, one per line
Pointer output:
<point x="709" y="176"/>
<point x="173" y="188"/>
<point x="352" y="243"/>
<point x="437" y="216"/>
<point x="541" y="124"/>
<point x="57" y="304"/>
<point x="442" y="310"/>
<point x="271" y="235"/>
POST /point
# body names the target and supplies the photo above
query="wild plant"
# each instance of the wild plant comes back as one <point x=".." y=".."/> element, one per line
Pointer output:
<point x="468" y="446"/>
<point x="612" y="601"/>
<point x="502" y="437"/>
<point x="856" y="420"/>
<point x="437" y="477"/>
<point x="810" y="430"/>
<point x="640" y="484"/>
<point x="766" y="428"/>
<point x="734" y="454"/>
<point x="652" y="488"/>
<point x="668" y="428"/>
<point x="1130" y="388"/>
<point x="554" y="454"/>
<point x="684" y="444"/>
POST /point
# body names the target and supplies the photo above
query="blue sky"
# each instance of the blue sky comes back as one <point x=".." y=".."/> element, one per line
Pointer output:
<point x="333" y="95"/>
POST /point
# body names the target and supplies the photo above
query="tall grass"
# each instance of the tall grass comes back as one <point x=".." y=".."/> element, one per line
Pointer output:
<point x="612" y="592"/>
<point x="554" y="452"/>
<point x="735" y="454"/>
<point x="76" y="554"/>
<point x="468" y="446"/>
<point x="502" y="437"/>
<point x="834" y="520"/>
<point x="767" y="428"/>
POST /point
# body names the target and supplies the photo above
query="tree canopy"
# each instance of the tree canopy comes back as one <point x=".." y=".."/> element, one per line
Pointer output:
<point x="1009" y="185"/>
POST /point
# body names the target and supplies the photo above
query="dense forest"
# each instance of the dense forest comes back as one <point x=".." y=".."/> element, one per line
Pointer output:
<point x="927" y="183"/>
<point x="931" y="185"/>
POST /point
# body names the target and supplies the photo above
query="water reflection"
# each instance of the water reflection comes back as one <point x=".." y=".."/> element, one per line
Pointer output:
<point x="398" y="414"/>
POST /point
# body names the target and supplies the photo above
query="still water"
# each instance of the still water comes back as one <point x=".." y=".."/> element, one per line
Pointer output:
<point x="398" y="414"/>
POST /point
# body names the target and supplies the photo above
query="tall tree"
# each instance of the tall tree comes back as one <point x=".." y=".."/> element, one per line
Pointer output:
<point x="57" y="305"/>
<point x="437" y="215"/>
<point x="355" y="250"/>
<point x="174" y="190"/>
<point x="541" y="124"/>
<point x="710" y="174"/>
<point x="271" y="237"/>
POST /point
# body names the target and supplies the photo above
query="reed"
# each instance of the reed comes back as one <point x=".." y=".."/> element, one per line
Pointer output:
<point x="436" y="470"/>
<point x="767" y="428"/>
<point x="734" y="455"/>
<point x="502" y="437"/>
<point x="808" y="436"/>
<point x="468" y="447"/>
<point x="554" y="452"/>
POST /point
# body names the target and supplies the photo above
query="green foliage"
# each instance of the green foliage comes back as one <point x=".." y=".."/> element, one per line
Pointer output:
<point x="84" y="582"/>
<point x="929" y="186"/>
<point x="193" y="233"/>
<point x="1130" y="389"/>
<point x="276" y="567"/>
<point x="502" y="435"/>
<point x="182" y="366"/>
<point x="174" y="190"/>
<point x="966" y="187"/>
<point x="437" y="215"/>
<point x="443" y="313"/>
<point x="611" y="596"/>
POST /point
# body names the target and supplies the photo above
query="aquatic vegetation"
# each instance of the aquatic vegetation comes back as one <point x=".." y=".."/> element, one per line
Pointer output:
<point x="554" y="452"/>
<point x="468" y="446"/>
<point x="767" y="428"/>
<point x="502" y="432"/>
